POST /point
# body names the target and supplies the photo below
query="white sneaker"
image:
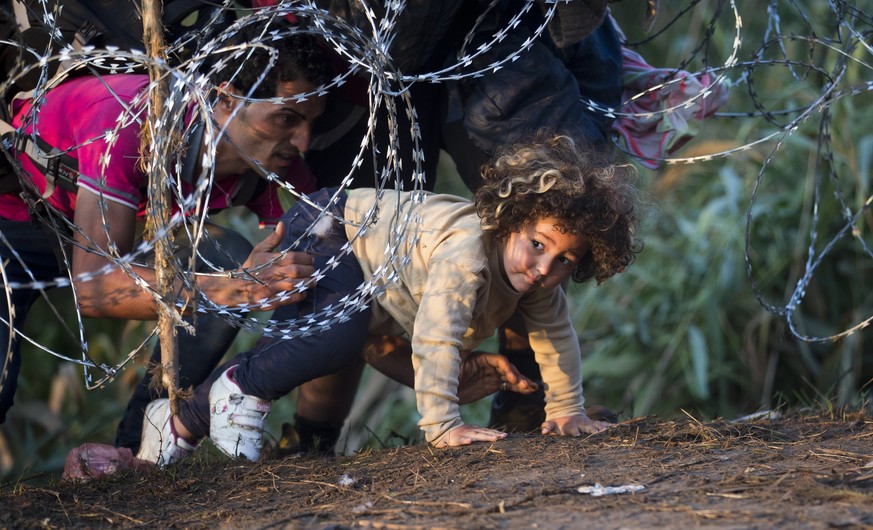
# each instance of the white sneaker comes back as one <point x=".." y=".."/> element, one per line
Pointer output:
<point x="236" y="421"/>
<point x="160" y="444"/>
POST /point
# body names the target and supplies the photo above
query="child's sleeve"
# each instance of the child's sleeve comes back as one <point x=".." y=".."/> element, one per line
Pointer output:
<point x="556" y="346"/>
<point x="442" y="319"/>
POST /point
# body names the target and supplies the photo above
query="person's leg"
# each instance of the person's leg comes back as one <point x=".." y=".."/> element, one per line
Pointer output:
<point x="512" y="411"/>
<point x="276" y="365"/>
<point x="34" y="254"/>
<point x="322" y="406"/>
<point x="198" y="353"/>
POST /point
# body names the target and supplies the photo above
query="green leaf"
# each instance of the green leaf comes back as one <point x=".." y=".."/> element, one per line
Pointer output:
<point x="699" y="362"/>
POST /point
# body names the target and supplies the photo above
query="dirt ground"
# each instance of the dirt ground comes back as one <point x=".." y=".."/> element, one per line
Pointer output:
<point x="800" y="470"/>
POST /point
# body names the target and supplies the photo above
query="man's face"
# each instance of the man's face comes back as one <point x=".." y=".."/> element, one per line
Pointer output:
<point x="540" y="256"/>
<point x="273" y="134"/>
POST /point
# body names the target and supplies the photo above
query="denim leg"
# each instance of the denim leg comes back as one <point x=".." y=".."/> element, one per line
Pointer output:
<point x="275" y="366"/>
<point x="36" y="252"/>
<point x="275" y="369"/>
<point x="200" y="353"/>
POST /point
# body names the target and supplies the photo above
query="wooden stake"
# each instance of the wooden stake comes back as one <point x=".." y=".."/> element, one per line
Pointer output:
<point x="159" y="203"/>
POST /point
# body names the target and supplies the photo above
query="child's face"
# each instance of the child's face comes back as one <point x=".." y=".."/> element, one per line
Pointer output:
<point x="540" y="256"/>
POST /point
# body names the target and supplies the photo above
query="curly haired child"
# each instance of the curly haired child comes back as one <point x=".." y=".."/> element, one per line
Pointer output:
<point x="550" y="209"/>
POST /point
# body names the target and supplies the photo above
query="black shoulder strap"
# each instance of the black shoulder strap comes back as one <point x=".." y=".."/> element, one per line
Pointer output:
<point x="8" y="178"/>
<point x="60" y="169"/>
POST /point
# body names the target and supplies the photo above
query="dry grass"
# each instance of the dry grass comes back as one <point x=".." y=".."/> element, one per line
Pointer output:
<point x="802" y="470"/>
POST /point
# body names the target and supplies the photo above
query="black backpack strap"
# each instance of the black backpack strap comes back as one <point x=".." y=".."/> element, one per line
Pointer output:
<point x="60" y="169"/>
<point x="8" y="177"/>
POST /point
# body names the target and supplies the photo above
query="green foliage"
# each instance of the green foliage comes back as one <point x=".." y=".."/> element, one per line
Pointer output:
<point x="683" y="327"/>
<point x="669" y="318"/>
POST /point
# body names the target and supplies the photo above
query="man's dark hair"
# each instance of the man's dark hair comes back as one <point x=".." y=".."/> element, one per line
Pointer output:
<point x="301" y="56"/>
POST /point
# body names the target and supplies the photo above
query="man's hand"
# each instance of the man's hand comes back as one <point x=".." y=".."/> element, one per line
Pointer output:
<point x="484" y="373"/>
<point x="111" y="228"/>
<point x="481" y="373"/>
<point x="575" y="425"/>
<point x="467" y="434"/>
<point x="263" y="281"/>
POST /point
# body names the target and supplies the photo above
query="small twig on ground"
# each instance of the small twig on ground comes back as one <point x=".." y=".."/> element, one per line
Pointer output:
<point x="464" y="505"/>
<point x="57" y="496"/>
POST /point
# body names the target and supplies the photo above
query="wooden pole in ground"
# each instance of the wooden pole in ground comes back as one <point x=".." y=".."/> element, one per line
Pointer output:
<point x="159" y="202"/>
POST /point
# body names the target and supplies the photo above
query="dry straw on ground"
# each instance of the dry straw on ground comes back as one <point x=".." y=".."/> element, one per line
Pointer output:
<point x="800" y="470"/>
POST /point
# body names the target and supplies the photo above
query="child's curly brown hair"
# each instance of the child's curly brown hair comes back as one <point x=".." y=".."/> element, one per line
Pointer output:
<point x="551" y="175"/>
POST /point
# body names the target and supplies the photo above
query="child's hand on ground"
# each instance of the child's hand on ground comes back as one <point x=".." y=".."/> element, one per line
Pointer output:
<point x="484" y="373"/>
<point x="575" y="425"/>
<point x="467" y="434"/>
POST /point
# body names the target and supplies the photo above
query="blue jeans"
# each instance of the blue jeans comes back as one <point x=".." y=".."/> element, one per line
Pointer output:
<point x="277" y="366"/>
<point x="200" y="353"/>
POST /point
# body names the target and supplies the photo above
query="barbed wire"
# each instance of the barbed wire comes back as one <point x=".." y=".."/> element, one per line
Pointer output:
<point x="366" y="48"/>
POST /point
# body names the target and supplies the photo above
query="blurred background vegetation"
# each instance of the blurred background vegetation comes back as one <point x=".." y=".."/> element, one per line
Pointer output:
<point x="684" y="329"/>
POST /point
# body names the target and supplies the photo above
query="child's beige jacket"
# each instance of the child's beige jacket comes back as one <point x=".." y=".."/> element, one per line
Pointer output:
<point x="452" y="296"/>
